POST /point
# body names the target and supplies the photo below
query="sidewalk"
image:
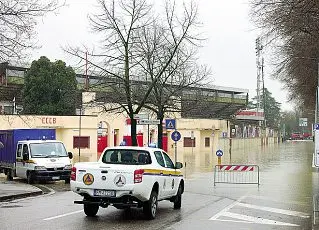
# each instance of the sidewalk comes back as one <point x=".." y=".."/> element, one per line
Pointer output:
<point x="13" y="190"/>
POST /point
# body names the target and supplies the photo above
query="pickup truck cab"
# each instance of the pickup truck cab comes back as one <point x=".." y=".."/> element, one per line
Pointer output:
<point x="127" y="176"/>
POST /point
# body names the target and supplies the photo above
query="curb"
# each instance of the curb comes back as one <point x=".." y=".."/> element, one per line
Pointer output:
<point x="22" y="195"/>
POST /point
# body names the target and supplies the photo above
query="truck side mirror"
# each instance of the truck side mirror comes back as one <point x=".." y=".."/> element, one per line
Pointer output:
<point x="70" y="155"/>
<point x="1" y="145"/>
<point x="25" y="156"/>
<point x="178" y="165"/>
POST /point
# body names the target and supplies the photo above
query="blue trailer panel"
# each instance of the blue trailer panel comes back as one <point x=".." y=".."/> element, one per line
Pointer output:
<point x="10" y="139"/>
<point x="6" y="156"/>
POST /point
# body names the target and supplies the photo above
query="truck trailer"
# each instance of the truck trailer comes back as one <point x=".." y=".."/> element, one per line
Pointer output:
<point x="35" y="155"/>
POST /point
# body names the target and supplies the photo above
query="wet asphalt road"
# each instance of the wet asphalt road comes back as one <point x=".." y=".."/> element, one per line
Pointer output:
<point x="284" y="200"/>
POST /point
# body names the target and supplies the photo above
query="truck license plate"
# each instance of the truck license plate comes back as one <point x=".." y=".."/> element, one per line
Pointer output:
<point x="55" y="178"/>
<point x="102" y="192"/>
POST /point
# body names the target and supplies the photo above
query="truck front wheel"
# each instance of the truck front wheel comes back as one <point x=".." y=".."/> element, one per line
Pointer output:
<point x="9" y="175"/>
<point x="178" y="198"/>
<point x="91" y="209"/>
<point x="30" y="178"/>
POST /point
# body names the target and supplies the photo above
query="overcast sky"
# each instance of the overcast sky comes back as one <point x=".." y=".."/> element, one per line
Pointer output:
<point x="229" y="49"/>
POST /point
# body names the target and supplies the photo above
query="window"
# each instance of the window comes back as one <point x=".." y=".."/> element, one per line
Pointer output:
<point x="126" y="156"/>
<point x="207" y="141"/>
<point x="19" y="150"/>
<point x="159" y="158"/>
<point x="169" y="163"/>
<point x="48" y="149"/>
<point x="8" y="109"/>
<point x="82" y="142"/>
<point x="189" y="142"/>
<point x="25" y="149"/>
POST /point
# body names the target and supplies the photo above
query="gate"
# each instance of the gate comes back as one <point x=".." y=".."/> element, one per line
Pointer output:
<point x="236" y="174"/>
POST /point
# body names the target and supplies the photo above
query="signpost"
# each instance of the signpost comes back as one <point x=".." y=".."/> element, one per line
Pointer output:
<point x="148" y="122"/>
<point x="316" y="154"/>
<point x="142" y="116"/>
<point x="143" y="119"/>
<point x="176" y="136"/>
<point x="192" y="138"/>
<point x="219" y="154"/>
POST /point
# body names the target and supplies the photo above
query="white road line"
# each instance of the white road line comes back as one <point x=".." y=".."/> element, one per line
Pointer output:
<point x="276" y="200"/>
<point x="276" y="210"/>
<point x="221" y="213"/>
<point x="256" y="220"/>
<point x="63" y="215"/>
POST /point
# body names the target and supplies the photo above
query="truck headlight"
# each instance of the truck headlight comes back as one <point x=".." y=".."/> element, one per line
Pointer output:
<point x="40" y="168"/>
<point x="68" y="167"/>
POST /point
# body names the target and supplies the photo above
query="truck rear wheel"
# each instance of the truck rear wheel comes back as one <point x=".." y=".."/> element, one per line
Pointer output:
<point x="150" y="206"/>
<point x="91" y="209"/>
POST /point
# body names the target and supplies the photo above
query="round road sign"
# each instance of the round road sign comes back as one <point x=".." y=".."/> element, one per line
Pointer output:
<point x="219" y="153"/>
<point x="176" y="136"/>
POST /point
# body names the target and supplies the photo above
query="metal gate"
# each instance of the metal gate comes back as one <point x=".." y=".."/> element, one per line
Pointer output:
<point x="236" y="174"/>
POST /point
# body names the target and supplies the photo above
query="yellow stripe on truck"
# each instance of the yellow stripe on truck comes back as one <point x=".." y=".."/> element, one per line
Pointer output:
<point x="162" y="172"/>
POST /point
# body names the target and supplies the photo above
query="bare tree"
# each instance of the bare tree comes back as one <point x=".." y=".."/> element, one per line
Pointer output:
<point x="17" y="25"/>
<point x="122" y="24"/>
<point x="291" y="28"/>
<point x="182" y="74"/>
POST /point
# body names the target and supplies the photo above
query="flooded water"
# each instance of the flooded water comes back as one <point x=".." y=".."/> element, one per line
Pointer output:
<point x="287" y="179"/>
<point x="286" y="171"/>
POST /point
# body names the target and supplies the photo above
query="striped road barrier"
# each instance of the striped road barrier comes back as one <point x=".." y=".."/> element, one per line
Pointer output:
<point x="236" y="174"/>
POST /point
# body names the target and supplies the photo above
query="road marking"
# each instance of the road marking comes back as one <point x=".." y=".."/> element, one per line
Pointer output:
<point x="279" y="201"/>
<point x="63" y="215"/>
<point x="221" y="213"/>
<point x="256" y="220"/>
<point x="276" y="210"/>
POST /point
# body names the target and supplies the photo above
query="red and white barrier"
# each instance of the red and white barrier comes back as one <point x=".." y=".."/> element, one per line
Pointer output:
<point x="242" y="168"/>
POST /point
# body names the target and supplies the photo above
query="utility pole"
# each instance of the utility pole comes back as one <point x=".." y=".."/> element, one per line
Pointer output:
<point x="317" y="98"/>
<point x="260" y="79"/>
<point x="259" y="63"/>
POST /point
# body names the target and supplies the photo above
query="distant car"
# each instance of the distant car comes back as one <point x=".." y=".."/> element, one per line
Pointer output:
<point x="296" y="136"/>
<point x="127" y="176"/>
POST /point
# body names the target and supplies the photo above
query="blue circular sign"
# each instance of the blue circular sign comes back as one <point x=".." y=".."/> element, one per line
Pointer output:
<point x="176" y="136"/>
<point x="219" y="153"/>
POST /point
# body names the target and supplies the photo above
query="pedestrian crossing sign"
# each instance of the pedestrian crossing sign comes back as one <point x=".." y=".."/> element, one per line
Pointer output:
<point x="170" y="124"/>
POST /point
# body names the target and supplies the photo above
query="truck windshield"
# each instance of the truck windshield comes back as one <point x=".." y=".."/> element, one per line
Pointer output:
<point x="49" y="149"/>
<point x="126" y="156"/>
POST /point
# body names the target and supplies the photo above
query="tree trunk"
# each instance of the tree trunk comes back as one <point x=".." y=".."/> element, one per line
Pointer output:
<point x="160" y="133"/>
<point x="133" y="132"/>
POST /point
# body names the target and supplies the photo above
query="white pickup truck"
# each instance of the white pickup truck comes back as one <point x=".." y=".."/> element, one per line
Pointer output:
<point x="127" y="176"/>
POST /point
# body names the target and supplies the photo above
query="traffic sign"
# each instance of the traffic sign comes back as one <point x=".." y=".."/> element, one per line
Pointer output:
<point x="170" y="124"/>
<point x="140" y="116"/>
<point x="303" y="122"/>
<point x="219" y="153"/>
<point x="176" y="136"/>
<point x="316" y="126"/>
<point x="148" y="122"/>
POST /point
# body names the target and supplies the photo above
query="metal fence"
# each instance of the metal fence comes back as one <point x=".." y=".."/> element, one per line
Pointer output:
<point x="236" y="174"/>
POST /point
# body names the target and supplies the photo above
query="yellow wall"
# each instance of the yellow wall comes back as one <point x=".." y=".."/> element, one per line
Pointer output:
<point x="66" y="127"/>
<point x="202" y="128"/>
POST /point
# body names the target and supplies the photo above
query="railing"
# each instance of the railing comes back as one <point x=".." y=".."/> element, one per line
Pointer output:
<point x="236" y="174"/>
